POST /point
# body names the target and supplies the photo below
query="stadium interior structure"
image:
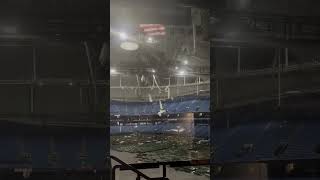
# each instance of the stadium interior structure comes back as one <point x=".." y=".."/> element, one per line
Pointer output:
<point x="160" y="85"/>
<point x="264" y="89"/>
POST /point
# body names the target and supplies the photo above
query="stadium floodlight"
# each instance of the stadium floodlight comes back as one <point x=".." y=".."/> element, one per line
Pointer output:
<point x="123" y="36"/>
<point x="113" y="71"/>
<point x="127" y="43"/>
<point x="150" y="40"/>
<point x="185" y="62"/>
<point x="129" y="46"/>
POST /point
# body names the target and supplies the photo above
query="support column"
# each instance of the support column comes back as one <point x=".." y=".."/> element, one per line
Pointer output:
<point x="239" y="60"/>
<point x="217" y="96"/>
<point x="81" y="95"/>
<point x="287" y="57"/>
<point x="169" y="83"/>
<point x="194" y="38"/>
<point x="279" y="77"/>
<point x="177" y="86"/>
<point x="34" y="79"/>
<point x="198" y="81"/>
<point x="287" y="32"/>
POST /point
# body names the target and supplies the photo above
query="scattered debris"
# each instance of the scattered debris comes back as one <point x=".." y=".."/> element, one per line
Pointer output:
<point x="165" y="147"/>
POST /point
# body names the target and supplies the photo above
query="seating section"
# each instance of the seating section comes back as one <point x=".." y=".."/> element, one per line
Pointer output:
<point x="266" y="141"/>
<point x="201" y="131"/>
<point x="177" y="105"/>
<point x="247" y="141"/>
<point x="46" y="148"/>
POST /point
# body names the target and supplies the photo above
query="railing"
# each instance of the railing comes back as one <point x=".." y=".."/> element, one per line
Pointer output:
<point x="62" y="119"/>
<point x="128" y="167"/>
<point x="270" y="70"/>
<point x="134" y="93"/>
<point x="134" y="167"/>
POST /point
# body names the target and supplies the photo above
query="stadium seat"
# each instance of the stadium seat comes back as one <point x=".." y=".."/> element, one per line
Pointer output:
<point x="177" y="105"/>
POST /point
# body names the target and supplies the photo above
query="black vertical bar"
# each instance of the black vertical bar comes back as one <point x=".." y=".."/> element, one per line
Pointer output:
<point x="164" y="171"/>
<point x="113" y="175"/>
<point x="107" y="75"/>
<point x="107" y="90"/>
<point x="138" y="177"/>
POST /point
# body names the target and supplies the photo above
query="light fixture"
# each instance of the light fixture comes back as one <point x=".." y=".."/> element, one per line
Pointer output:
<point x="185" y="62"/>
<point x="113" y="71"/>
<point x="123" y="36"/>
<point x="129" y="46"/>
<point x="153" y="71"/>
<point x="149" y="40"/>
<point x="176" y="67"/>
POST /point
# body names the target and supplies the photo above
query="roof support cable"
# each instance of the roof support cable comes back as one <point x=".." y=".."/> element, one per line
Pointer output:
<point x="156" y="83"/>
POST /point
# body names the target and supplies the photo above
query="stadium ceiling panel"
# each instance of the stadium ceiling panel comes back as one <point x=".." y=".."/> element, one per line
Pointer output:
<point x="70" y="20"/>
